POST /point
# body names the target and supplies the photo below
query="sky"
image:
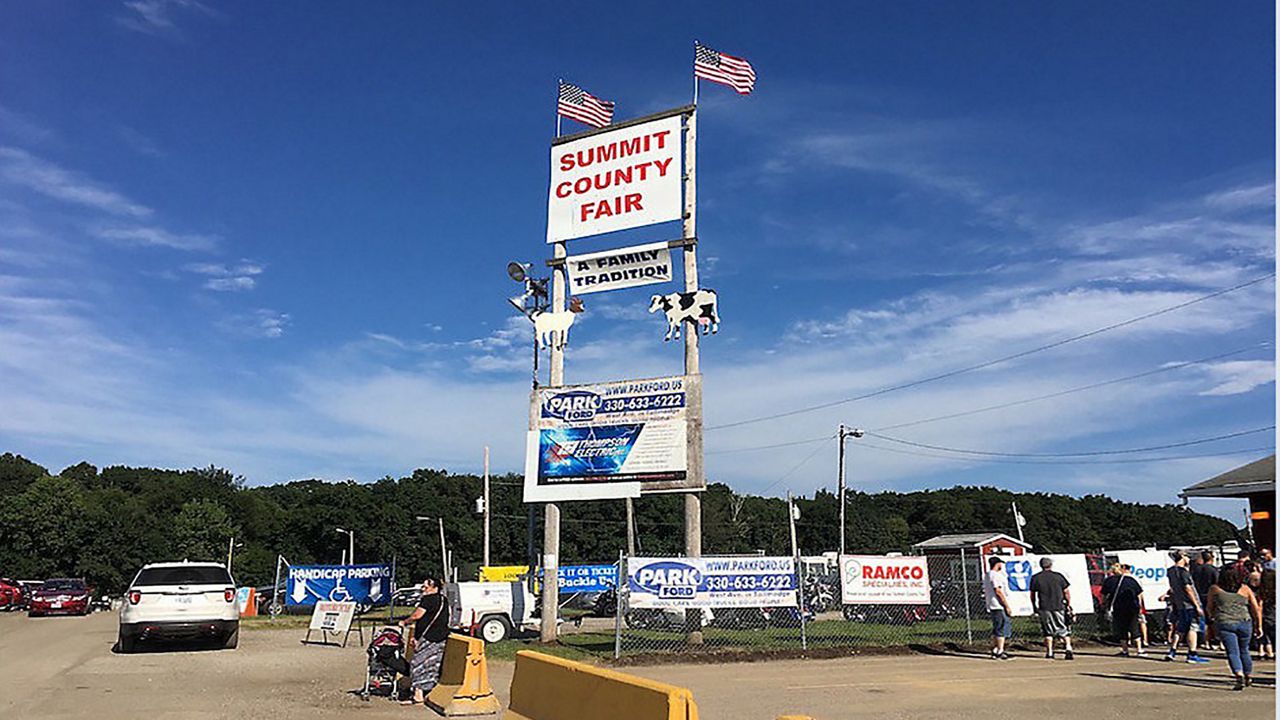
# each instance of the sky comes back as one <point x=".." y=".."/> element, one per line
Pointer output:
<point x="272" y="236"/>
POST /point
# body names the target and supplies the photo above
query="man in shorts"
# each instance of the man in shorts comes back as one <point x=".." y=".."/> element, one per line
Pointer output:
<point x="1205" y="575"/>
<point x="1185" y="610"/>
<point x="995" y="590"/>
<point x="1051" y="601"/>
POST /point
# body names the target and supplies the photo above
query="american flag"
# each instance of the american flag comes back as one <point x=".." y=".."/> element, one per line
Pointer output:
<point x="578" y="104"/>
<point x="725" y="69"/>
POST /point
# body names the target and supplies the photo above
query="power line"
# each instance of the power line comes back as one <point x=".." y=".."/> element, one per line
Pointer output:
<point x="1082" y="388"/>
<point x="1117" y="461"/>
<point x="996" y="361"/>
<point x="770" y="447"/>
<point x="1090" y="453"/>
<point x="796" y="467"/>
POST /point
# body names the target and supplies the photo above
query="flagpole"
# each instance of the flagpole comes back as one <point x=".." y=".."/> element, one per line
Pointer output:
<point x="695" y="73"/>
<point x="559" y="82"/>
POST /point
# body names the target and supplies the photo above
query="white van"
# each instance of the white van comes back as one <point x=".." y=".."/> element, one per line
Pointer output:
<point x="186" y="600"/>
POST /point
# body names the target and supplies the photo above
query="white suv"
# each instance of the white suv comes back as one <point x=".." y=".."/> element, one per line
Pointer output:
<point x="186" y="600"/>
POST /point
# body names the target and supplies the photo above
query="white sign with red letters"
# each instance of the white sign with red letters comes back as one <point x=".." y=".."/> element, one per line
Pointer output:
<point x="881" y="580"/>
<point x="616" y="180"/>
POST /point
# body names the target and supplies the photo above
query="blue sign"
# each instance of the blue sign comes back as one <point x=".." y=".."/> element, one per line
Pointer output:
<point x="587" y="578"/>
<point x="365" y="584"/>
<point x="578" y="452"/>
<point x="752" y="581"/>
<point x="1019" y="572"/>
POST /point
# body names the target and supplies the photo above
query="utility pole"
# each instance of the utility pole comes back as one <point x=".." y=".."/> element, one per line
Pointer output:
<point x="844" y="433"/>
<point x="486" y="505"/>
<point x="1019" y="521"/>
<point x="692" y="366"/>
<point x="551" y="519"/>
<point x="793" y="514"/>
<point x="631" y="527"/>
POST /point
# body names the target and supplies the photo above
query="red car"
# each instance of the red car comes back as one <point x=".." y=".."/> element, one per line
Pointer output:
<point x="65" y="596"/>
<point x="12" y="596"/>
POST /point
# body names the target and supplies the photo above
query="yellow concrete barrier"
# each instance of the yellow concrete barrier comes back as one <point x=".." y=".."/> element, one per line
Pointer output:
<point x="464" y="680"/>
<point x="552" y="688"/>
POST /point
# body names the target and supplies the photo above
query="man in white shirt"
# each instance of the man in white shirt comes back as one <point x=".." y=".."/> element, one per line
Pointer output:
<point x="995" y="590"/>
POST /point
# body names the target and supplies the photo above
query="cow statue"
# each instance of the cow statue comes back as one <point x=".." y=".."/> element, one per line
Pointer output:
<point x="697" y="307"/>
<point x="552" y="328"/>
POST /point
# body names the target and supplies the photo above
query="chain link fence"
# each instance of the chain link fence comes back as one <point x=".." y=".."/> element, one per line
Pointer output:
<point x="956" y="615"/>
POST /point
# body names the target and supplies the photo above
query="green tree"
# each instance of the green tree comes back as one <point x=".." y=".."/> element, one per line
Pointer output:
<point x="202" y="530"/>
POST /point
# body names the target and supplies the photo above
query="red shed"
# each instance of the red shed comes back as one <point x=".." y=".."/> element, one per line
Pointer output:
<point x="984" y="543"/>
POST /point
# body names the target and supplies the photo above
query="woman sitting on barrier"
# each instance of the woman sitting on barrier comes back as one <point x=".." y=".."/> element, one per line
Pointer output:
<point x="430" y="630"/>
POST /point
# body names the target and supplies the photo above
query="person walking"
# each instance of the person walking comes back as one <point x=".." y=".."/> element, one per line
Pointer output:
<point x="1238" y="617"/>
<point x="995" y="591"/>
<point x="1051" y="602"/>
<point x="1186" y="612"/>
<point x="1125" y="605"/>
<point x="430" y="630"/>
<point x="1268" y="559"/>
<point x="1205" y="575"/>
<point x="1267" y="598"/>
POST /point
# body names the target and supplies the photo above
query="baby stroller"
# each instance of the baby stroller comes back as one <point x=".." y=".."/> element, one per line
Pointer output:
<point x="386" y="661"/>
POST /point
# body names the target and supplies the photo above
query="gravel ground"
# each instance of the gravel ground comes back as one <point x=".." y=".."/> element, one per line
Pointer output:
<point x="64" y="668"/>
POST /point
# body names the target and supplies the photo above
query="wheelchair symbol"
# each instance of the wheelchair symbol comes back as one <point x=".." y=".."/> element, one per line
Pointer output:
<point x="339" y="593"/>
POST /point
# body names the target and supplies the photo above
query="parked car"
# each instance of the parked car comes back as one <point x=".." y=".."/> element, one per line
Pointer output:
<point x="60" y="596"/>
<point x="12" y="595"/>
<point x="186" y="600"/>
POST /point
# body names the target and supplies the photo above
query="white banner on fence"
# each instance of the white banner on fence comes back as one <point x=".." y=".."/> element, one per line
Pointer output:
<point x="617" y="269"/>
<point x="711" y="582"/>
<point x="880" y="580"/>
<point x="616" y="180"/>
<point x="1151" y="570"/>
<point x="1021" y="568"/>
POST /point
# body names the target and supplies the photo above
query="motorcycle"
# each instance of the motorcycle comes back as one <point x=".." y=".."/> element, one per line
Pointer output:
<point x="606" y="603"/>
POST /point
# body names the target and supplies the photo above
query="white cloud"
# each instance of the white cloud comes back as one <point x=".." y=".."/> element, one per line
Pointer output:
<point x="1246" y="196"/>
<point x="261" y="323"/>
<point x="228" y="278"/>
<point x="1234" y="378"/>
<point x="156" y="17"/>
<point x="152" y="236"/>
<point x="138" y="142"/>
<point x="18" y="167"/>
<point x="230" y="284"/>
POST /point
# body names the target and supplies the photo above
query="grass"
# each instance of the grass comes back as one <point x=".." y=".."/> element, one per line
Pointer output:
<point x="587" y="647"/>
<point x="596" y="647"/>
<point x="280" y="622"/>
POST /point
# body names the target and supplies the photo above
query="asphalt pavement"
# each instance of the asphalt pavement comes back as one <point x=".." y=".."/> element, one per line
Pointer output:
<point x="65" y="668"/>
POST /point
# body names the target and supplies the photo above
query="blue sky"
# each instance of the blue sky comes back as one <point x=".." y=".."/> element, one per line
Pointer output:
<point x="271" y="236"/>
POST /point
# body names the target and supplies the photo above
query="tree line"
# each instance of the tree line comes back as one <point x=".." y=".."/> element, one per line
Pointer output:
<point x="105" y="524"/>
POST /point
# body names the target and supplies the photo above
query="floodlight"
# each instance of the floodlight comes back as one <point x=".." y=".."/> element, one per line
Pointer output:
<point x="518" y="271"/>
